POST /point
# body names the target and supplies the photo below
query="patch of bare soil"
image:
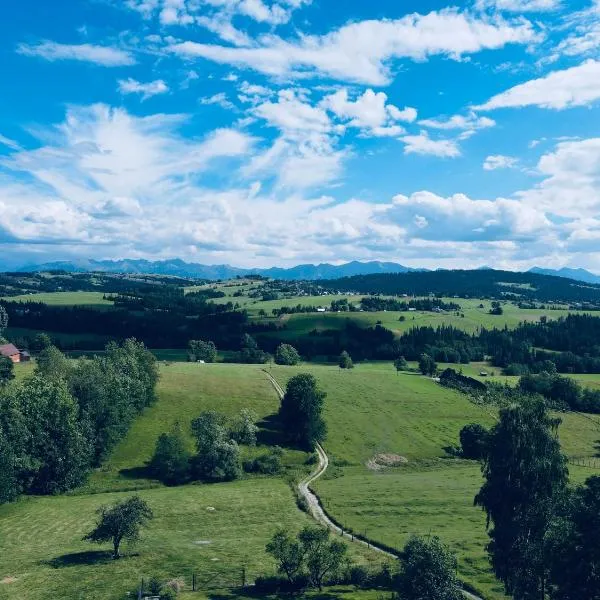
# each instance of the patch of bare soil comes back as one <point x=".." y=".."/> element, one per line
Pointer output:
<point x="382" y="461"/>
<point x="8" y="580"/>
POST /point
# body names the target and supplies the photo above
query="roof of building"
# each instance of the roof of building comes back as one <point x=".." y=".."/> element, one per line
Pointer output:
<point x="8" y="350"/>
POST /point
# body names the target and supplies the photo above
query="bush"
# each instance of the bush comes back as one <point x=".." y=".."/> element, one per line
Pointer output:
<point x="268" y="463"/>
<point x="171" y="460"/>
<point x="286" y="355"/>
<point x="345" y="361"/>
<point x="473" y="441"/>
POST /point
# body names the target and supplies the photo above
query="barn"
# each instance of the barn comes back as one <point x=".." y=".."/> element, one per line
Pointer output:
<point x="10" y="351"/>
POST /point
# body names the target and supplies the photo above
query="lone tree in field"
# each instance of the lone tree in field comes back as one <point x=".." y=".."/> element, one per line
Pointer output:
<point x="345" y="361"/>
<point x="288" y="553"/>
<point x="427" y="365"/>
<point x="199" y="350"/>
<point x="286" y="355"/>
<point x="428" y="571"/>
<point x="122" y="521"/>
<point x="323" y="557"/>
<point x="301" y="411"/>
<point x="525" y="477"/>
<point x="400" y="364"/>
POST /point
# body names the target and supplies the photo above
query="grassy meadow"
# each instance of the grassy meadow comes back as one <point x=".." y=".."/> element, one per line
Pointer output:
<point x="90" y="299"/>
<point x="372" y="410"/>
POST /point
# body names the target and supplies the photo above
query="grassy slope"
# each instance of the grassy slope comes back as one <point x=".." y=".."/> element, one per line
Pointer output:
<point x="371" y="410"/>
<point x="40" y="538"/>
<point x="94" y="299"/>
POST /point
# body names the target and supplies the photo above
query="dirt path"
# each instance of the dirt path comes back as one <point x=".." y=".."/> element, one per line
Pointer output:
<point x="316" y="508"/>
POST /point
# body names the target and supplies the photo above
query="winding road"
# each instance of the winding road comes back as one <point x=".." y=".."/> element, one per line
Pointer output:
<point x="316" y="508"/>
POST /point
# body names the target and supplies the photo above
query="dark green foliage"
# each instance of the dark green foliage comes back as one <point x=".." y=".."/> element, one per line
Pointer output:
<point x="199" y="350"/>
<point x="268" y="463"/>
<point x="123" y="521"/>
<point x="244" y="428"/>
<point x="40" y="342"/>
<point x="323" y="557"/>
<point x="301" y="411"/>
<point x="51" y="363"/>
<point x="525" y="475"/>
<point x="171" y="460"/>
<point x="427" y="365"/>
<point x="400" y="364"/>
<point x="345" y="361"/>
<point x="473" y="440"/>
<point x="9" y="484"/>
<point x="286" y="355"/>
<point x="496" y="308"/>
<point x="428" y="571"/>
<point x="218" y="457"/>
<point x="7" y="370"/>
<point x="311" y="553"/>
<point x="572" y="545"/>
<point x="3" y="319"/>
<point x="250" y="353"/>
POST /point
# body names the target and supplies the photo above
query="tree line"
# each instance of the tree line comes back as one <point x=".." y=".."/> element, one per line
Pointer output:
<point x="64" y="419"/>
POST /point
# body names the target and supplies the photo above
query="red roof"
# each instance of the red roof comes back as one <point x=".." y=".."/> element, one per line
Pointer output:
<point x="8" y="350"/>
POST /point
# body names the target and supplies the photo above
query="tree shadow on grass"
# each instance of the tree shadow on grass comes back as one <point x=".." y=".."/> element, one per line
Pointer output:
<point x="597" y="448"/>
<point x="136" y="473"/>
<point x="75" y="559"/>
<point x="270" y="433"/>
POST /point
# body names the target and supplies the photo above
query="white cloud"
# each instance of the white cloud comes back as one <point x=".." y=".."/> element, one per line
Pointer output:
<point x="219" y="99"/>
<point x="146" y="90"/>
<point x="576" y="86"/>
<point x="519" y="5"/>
<point x="423" y="144"/>
<point x="4" y="141"/>
<point x="100" y="55"/>
<point x="499" y="161"/>
<point x="571" y="185"/>
<point x="368" y="112"/>
<point x="362" y="51"/>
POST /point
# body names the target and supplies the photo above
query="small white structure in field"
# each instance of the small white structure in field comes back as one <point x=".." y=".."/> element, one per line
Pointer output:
<point x="321" y="309"/>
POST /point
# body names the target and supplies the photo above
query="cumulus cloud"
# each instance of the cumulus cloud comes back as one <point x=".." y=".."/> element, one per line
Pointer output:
<point x="362" y="51"/>
<point x="499" y="161"/>
<point x="576" y="86"/>
<point x="146" y="90"/>
<point x="104" y="56"/>
<point x="219" y="99"/>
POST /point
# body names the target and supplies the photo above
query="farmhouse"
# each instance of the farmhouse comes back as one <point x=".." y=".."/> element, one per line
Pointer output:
<point x="10" y="351"/>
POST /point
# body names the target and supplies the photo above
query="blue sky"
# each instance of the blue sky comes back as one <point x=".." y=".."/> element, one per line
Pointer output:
<point x="274" y="132"/>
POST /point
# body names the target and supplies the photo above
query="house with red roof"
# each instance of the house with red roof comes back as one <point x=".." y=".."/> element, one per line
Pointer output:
<point x="12" y="352"/>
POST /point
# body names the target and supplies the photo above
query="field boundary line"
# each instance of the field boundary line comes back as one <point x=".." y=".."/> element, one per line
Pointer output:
<point x="315" y="505"/>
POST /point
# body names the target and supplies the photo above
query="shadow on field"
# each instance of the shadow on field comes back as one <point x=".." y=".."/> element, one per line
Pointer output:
<point x="136" y="473"/>
<point x="91" y="557"/>
<point x="270" y="433"/>
<point x="597" y="448"/>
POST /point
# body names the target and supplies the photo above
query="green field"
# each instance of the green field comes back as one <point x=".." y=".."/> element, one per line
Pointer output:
<point x="372" y="410"/>
<point x="92" y="299"/>
<point x="43" y="557"/>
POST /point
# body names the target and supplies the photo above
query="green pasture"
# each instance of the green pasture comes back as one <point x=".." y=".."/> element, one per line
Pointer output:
<point x="90" y="299"/>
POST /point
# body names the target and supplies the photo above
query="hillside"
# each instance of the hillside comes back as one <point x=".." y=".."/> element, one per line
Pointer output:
<point x="479" y="283"/>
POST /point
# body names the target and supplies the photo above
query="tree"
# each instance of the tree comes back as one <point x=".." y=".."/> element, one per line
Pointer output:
<point x="427" y="365"/>
<point x="287" y="552"/>
<point x="250" y="353"/>
<point x="428" y="571"/>
<point x="345" y="361"/>
<point x="300" y="411"/>
<point x="52" y="363"/>
<point x="286" y="355"/>
<point x="525" y="476"/>
<point x="40" y="342"/>
<point x="199" y="350"/>
<point x="9" y="484"/>
<point x="122" y="521"/>
<point x="3" y="319"/>
<point x="322" y="557"/>
<point x="171" y="460"/>
<point x="496" y="308"/>
<point x="218" y="457"/>
<point x="244" y="427"/>
<point x="7" y="370"/>
<point x="572" y="545"/>
<point x="473" y="439"/>
<point x="400" y="364"/>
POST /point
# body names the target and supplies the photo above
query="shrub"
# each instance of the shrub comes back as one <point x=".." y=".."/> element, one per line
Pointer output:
<point x="268" y="463"/>
<point x="473" y="440"/>
<point x="287" y="355"/>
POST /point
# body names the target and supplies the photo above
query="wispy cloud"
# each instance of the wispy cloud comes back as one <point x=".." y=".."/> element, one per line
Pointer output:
<point x="105" y="56"/>
<point x="146" y="90"/>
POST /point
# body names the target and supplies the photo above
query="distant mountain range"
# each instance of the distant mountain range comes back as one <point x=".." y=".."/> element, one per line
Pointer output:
<point x="180" y="268"/>
<point x="577" y="274"/>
